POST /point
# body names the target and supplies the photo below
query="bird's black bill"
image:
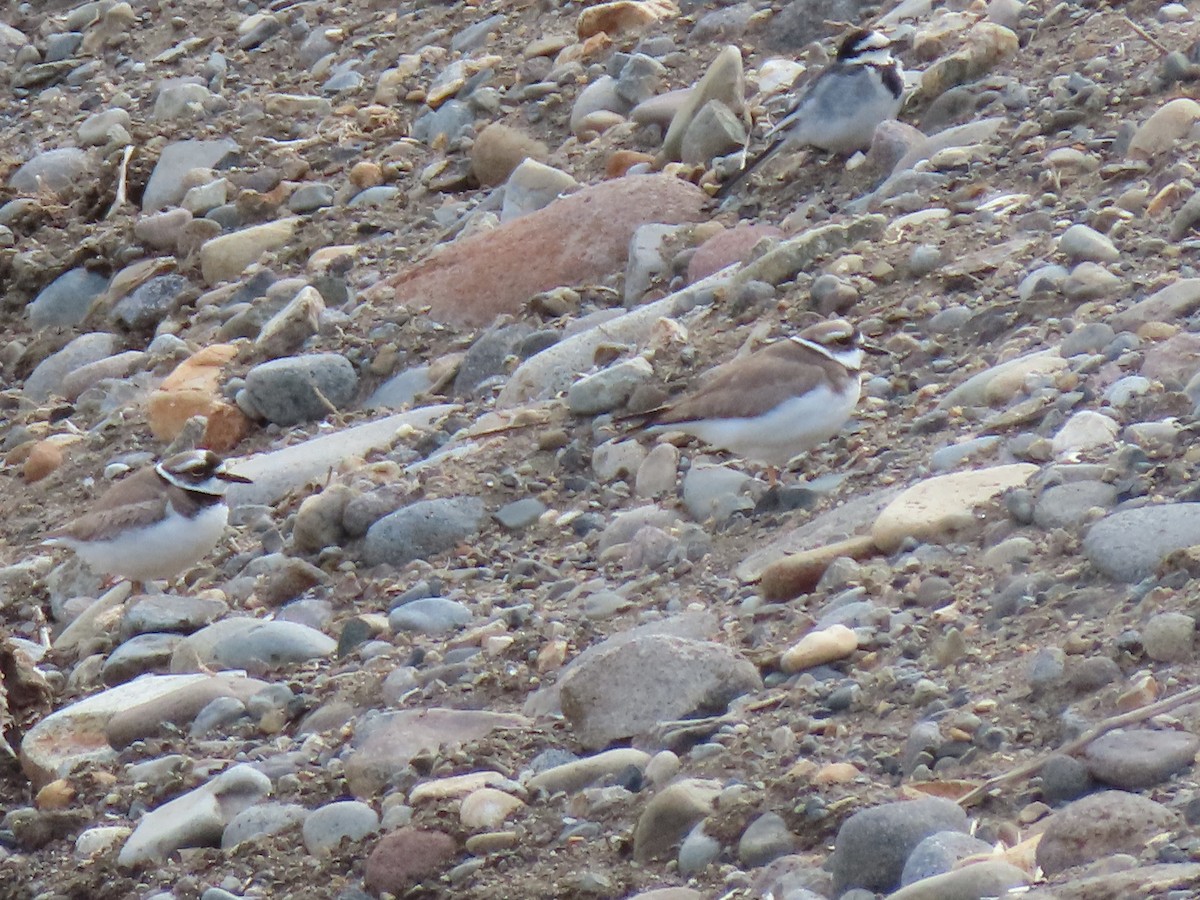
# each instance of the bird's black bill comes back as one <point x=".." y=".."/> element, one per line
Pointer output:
<point x="236" y="479"/>
<point x="875" y="349"/>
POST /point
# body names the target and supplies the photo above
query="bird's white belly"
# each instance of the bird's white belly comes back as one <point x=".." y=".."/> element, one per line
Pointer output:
<point x="790" y="428"/>
<point x="161" y="551"/>
<point x="850" y="129"/>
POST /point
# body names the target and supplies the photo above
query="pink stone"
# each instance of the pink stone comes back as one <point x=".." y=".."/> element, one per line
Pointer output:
<point x="727" y="247"/>
<point x="576" y="239"/>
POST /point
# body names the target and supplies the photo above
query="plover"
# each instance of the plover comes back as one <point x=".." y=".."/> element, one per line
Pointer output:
<point x="156" y="523"/>
<point x="776" y="402"/>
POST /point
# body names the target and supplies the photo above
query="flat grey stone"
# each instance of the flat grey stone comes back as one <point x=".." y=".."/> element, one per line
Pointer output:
<point x="48" y="377"/>
<point x="261" y="820"/>
<point x="196" y="819"/>
<point x="150" y="303"/>
<point x="1140" y="758"/>
<point x="65" y="301"/>
<point x="423" y="529"/>
<point x="430" y="615"/>
<point x="766" y="838"/>
<point x="1067" y="505"/>
<point x="298" y="389"/>
<point x="520" y="513"/>
<point x="939" y="853"/>
<point x="326" y="827"/>
<point x="55" y="170"/>
<point x="1128" y="545"/>
<point x="626" y="689"/>
<point x="166" y="185"/>
<point x="1100" y="825"/>
<point x="251" y="644"/>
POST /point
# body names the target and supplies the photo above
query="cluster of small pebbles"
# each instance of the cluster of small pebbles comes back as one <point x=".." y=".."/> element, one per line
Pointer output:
<point x="411" y="266"/>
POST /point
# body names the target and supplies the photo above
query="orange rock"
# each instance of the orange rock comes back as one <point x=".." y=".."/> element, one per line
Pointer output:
<point x="836" y="773"/>
<point x="575" y="239"/>
<point x="622" y="17"/>
<point x="57" y="794"/>
<point x="43" y="459"/>
<point x="798" y="573"/>
<point x="623" y="160"/>
<point x="366" y="174"/>
<point x="193" y="389"/>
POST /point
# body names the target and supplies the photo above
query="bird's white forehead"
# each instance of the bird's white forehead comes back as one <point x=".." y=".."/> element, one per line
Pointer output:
<point x="874" y="40"/>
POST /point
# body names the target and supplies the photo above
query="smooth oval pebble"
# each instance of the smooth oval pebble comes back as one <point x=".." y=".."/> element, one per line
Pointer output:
<point x="819" y="647"/>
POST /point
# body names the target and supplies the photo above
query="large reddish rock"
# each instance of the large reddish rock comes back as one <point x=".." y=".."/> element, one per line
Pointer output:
<point x="407" y="856"/>
<point x="578" y="238"/>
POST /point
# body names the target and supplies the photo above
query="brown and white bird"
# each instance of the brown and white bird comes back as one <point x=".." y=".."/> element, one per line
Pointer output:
<point x="776" y="402"/>
<point x="157" y="523"/>
<point x="837" y="112"/>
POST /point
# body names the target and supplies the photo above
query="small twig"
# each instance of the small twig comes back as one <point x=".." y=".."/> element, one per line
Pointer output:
<point x="122" y="179"/>
<point x="1145" y="35"/>
<point x="1102" y="727"/>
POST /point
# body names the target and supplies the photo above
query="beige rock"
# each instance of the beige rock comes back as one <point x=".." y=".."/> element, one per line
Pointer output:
<point x="487" y="808"/>
<point x="573" y="776"/>
<point x="1168" y="125"/>
<point x="798" y="573"/>
<point x="984" y="879"/>
<point x="725" y="81"/>
<point x="285" y="331"/>
<point x="670" y="815"/>
<point x="819" y="647"/>
<point x="987" y="45"/>
<point x="1007" y="384"/>
<point x="454" y="786"/>
<point x="836" y="773"/>
<point x="1010" y="375"/>
<point x="499" y="149"/>
<point x="623" y="17"/>
<point x="45" y="458"/>
<point x="224" y="257"/>
<point x="1086" y="430"/>
<point x="942" y="509"/>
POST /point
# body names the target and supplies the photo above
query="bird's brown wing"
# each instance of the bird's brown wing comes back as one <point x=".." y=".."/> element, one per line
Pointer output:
<point x="753" y="385"/>
<point x="94" y="525"/>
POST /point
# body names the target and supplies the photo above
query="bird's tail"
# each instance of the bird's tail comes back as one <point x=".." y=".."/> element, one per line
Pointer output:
<point x="724" y="190"/>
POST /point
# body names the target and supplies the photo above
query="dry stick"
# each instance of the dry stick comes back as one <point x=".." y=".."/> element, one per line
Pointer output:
<point x="1102" y="727"/>
<point x="1145" y="35"/>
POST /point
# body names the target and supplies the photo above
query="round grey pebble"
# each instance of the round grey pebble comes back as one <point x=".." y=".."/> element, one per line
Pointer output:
<point x="326" y="827"/>
<point x="1170" y="637"/>
<point x="430" y="615"/>
<point x="298" y="389"/>
<point x="939" y="853"/>
<point x="767" y="838"/>
<point x="1140" y="758"/>
<point x="1064" y="778"/>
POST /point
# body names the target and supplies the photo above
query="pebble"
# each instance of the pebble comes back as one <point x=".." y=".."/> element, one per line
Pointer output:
<point x="195" y="819"/>
<point x="48" y="377"/>
<point x="430" y="615"/>
<point x="261" y="820"/>
<point x="873" y="844"/>
<point x="405" y="857"/>
<point x="818" y="648"/>
<point x="1100" y="825"/>
<point x="66" y="300"/>
<point x="251" y="644"/>
<point x="1079" y="242"/>
<point x="939" y="853"/>
<point x="422" y="529"/>
<point x="609" y="388"/>
<point x="630" y="687"/>
<point x="670" y="814"/>
<point x="716" y="492"/>
<point x="1128" y="545"/>
<point x="300" y="388"/>
<point x="765" y="839"/>
<point x="1139" y="758"/>
<point x="345" y="820"/>
<point x="57" y="171"/>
